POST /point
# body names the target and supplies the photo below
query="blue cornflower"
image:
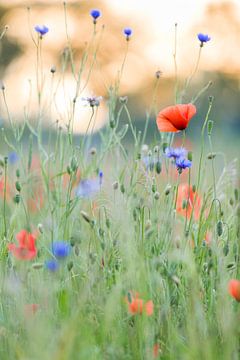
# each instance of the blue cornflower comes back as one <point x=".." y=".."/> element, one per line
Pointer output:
<point x="41" y="29"/>
<point x="182" y="163"/>
<point x="13" y="157"/>
<point x="52" y="265"/>
<point x="203" y="38"/>
<point x="175" y="153"/>
<point x="100" y="177"/>
<point x="87" y="188"/>
<point x="95" y="13"/>
<point x="60" y="249"/>
<point x="127" y="32"/>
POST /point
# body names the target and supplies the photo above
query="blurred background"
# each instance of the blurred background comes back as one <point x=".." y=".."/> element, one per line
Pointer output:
<point x="150" y="49"/>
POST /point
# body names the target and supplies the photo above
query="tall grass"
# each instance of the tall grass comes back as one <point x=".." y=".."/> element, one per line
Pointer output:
<point x="128" y="236"/>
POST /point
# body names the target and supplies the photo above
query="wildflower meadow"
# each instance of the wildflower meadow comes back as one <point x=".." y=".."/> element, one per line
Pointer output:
<point x="124" y="247"/>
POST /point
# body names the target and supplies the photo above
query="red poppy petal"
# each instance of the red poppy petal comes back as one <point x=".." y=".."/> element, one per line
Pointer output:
<point x="21" y="237"/>
<point x="164" y="125"/>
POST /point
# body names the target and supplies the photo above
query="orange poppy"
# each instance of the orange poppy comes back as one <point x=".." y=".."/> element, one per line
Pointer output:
<point x="137" y="305"/>
<point x="175" y="118"/>
<point x="234" y="289"/>
<point x="187" y="195"/>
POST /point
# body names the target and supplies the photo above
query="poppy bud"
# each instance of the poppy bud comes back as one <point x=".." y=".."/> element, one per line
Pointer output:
<point x="231" y="201"/>
<point x="115" y="185"/>
<point x="72" y="241"/>
<point x="210" y="126"/>
<point x="154" y="188"/>
<point x="74" y="165"/>
<point x="17" y="199"/>
<point x="1" y="161"/>
<point x="135" y="214"/>
<point x="85" y="216"/>
<point x="167" y="190"/>
<point x="108" y="223"/>
<point x="219" y="228"/>
<point x="158" y="167"/>
<point x="18" y="173"/>
<point x="190" y="156"/>
<point x="112" y="124"/>
<point x="70" y="265"/>
<point x="40" y="228"/>
<point x="122" y="189"/>
<point x="156" y="195"/>
<point x="18" y="186"/>
<point x="211" y="156"/>
<point x="76" y="250"/>
<point x="2" y="86"/>
<point x="194" y="188"/>
<point x="148" y="224"/>
<point x="69" y="170"/>
<point x="53" y="69"/>
<point x="101" y="232"/>
<point x="123" y="99"/>
<point x="158" y="74"/>
<point x="226" y="249"/>
<point x="93" y="151"/>
<point x="176" y="280"/>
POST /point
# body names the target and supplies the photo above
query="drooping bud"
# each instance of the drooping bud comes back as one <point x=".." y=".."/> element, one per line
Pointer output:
<point x="219" y="228"/>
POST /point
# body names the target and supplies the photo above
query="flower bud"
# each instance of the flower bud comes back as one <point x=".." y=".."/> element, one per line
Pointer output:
<point x="190" y="156"/>
<point x="226" y="249"/>
<point x="211" y="156"/>
<point x="115" y="185"/>
<point x="76" y="250"/>
<point x="167" y="190"/>
<point x="93" y="151"/>
<point x="85" y="216"/>
<point x="53" y="69"/>
<point x="156" y="195"/>
<point x="122" y="189"/>
<point x="17" y="198"/>
<point x="70" y="265"/>
<point x="123" y="99"/>
<point x="158" y="167"/>
<point x="148" y="224"/>
<point x="158" y="74"/>
<point x="18" y="186"/>
<point x="236" y="194"/>
<point x="219" y="228"/>
<point x="40" y="228"/>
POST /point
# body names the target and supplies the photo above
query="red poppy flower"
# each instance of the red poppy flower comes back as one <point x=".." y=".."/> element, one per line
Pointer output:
<point x="137" y="306"/>
<point x="187" y="195"/>
<point x="26" y="250"/>
<point x="234" y="289"/>
<point x="175" y="118"/>
<point x="156" y="350"/>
